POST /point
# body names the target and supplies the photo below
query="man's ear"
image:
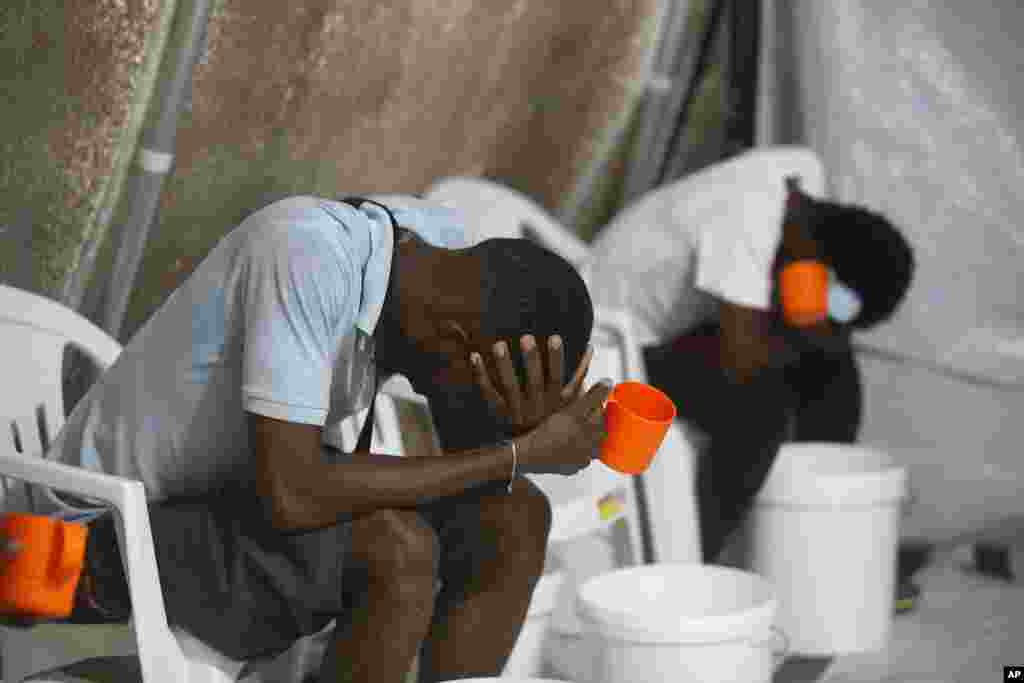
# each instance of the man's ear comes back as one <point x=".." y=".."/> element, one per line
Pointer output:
<point x="454" y="338"/>
<point x="457" y="346"/>
<point x="451" y="329"/>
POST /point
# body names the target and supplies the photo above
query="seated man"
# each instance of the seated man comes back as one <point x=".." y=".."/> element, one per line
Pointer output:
<point x="698" y="262"/>
<point x="262" y="536"/>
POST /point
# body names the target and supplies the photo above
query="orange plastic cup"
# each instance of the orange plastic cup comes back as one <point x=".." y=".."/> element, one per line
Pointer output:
<point x="637" y="416"/>
<point x="803" y="288"/>
<point x="40" y="578"/>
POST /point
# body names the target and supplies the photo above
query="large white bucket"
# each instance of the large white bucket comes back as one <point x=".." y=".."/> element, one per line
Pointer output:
<point x="527" y="655"/>
<point x="824" y="531"/>
<point x="684" y="623"/>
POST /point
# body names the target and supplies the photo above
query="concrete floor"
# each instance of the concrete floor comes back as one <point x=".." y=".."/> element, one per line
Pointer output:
<point x="966" y="628"/>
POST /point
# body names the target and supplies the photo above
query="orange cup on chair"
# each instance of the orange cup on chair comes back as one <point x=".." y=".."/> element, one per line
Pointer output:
<point x="803" y="289"/>
<point x="40" y="578"/>
<point x="636" y="416"/>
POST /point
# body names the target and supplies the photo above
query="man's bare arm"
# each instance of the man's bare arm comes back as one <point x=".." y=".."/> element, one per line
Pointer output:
<point x="746" y="342"/>
<point x="303" y="491"/>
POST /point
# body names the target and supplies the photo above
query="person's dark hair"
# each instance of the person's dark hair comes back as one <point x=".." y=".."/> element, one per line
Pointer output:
<point x="868" y="254"/>
<point x="528" y="289"/>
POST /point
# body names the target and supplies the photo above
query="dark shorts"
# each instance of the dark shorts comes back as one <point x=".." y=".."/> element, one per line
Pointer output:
<point x="233" y="581"/>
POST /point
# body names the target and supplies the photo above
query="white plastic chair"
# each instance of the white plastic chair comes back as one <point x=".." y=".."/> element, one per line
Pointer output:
<point x="598" y="497"/>
<point x="35" y="332"/>
<point x="387" y="436"/>
<point x="391" y="426"/>
<point x="494" y="210"/>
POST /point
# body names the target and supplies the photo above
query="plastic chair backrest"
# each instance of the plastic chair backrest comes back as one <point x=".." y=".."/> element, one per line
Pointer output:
<point x="35" y="332"/>
<point x="494" y="210"/>
<point x="387" y="432"/>
<point x="669" y="497"/>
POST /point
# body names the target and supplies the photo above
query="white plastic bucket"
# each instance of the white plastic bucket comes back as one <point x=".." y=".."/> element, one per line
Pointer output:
<point x="684" y="623"/>
<point x="527" y="655"/>
<point x="568" y="654"/>
<point x="824" y="531"/>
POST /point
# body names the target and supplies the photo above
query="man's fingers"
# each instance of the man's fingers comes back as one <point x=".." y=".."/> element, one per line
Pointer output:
<point x="595" y="438"/>
<point x="591" y="406"/>
<point x="575" y="386"/>
<point x="584" y="369"/>
<point x="509" y="382"/>
<point x="483" y="380"/>
<point x="556" y="366"/>
<point x="534" y="368"/>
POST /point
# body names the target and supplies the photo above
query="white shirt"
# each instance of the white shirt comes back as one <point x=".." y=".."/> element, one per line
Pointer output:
<point x="713" y="235"/>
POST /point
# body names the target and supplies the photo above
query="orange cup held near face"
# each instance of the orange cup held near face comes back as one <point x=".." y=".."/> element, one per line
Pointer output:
<point x="637" y="416"/>
<point x="39" y="578"/>
<point x="803" y="289"/>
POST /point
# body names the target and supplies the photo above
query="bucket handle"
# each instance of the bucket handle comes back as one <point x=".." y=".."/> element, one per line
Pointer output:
<point x="779" y="643"/>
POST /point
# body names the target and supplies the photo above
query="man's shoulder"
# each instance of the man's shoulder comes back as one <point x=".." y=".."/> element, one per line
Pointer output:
<point x="298" y="224"/>
<point x="291" y="211"/>
<point x="300" y="244"/>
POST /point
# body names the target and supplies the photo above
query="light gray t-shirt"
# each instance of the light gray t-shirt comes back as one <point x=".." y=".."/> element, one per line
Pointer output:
<point x="670" y="254"/>
<point x="277" y="320"/>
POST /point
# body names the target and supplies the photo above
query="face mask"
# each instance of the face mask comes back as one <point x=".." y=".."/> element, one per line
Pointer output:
<point x="810" y="293"/>
<point x="844" y="304"/>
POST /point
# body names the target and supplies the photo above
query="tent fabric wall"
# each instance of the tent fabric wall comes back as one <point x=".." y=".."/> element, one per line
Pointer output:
<point x="332" y="97"/>
<point x="76" y="80"/>
<point x="916" y="109"/>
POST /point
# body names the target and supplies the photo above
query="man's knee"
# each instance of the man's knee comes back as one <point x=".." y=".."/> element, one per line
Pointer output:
<point x="399" y="551"/>
<point x="536" y="512"/>
<point x="521" y="521"/>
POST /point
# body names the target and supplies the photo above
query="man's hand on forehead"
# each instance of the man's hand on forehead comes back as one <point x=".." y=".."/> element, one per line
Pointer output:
<point x="544" y="393"/>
